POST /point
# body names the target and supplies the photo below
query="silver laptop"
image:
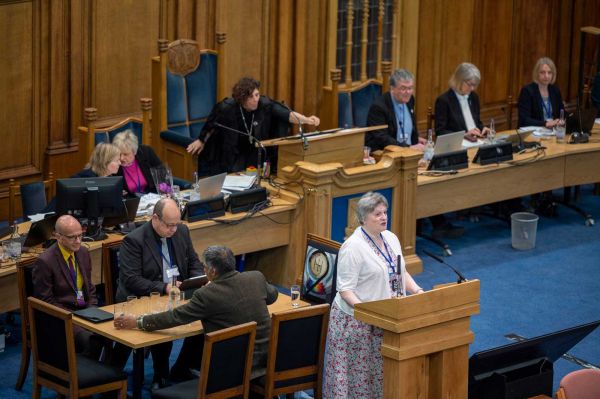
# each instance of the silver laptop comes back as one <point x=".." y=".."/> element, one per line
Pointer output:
<point x="211" y="186"/>
<point x="449" y="142"/>
<point x="514" y="137"/>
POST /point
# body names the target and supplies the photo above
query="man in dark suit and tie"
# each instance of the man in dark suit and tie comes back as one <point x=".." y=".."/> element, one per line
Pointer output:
<point x="231" y="298"/>
<point x="396" y="109"/>
<point x="148" y="259"/>
<point x="63" y="277"/>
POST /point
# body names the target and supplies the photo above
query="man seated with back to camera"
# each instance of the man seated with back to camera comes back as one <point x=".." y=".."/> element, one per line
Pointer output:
<point x="250" y="114"/>
<point x="62" y="276"/>
<point x="396" y="109"/>
<point x="148" y="259"/>
<point x="229" y="299"/>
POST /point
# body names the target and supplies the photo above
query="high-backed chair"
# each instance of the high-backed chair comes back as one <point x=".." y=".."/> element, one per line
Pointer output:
<point x="580" y="384"/>
<point x="92" y="134"/>
<point x="226" y="366"/>
<point x="184" y="91"/>
<point x="56" y="365"/>
<point x="25" y="286"/>
<point x="110" y="270"/>
<point x="349" y="104"/>
<point x="296" y="351"/>
<point x="34" y="197"/>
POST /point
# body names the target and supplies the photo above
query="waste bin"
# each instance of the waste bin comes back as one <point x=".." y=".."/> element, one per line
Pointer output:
<point x="523" y="229"/>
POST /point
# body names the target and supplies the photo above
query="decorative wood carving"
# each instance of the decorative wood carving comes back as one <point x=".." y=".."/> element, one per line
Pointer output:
<point x="183" y="56"/>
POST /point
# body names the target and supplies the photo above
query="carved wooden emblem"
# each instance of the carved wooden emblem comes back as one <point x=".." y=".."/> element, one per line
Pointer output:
<point x="183" y="56"/>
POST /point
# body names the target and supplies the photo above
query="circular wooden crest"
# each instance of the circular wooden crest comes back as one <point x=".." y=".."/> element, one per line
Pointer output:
<point x="183" y="56"/>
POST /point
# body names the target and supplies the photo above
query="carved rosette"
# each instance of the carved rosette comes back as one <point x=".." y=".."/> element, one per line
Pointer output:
<point x="183" y="56"/>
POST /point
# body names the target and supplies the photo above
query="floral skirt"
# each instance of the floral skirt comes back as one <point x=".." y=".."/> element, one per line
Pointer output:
<point x="353" y="362"/>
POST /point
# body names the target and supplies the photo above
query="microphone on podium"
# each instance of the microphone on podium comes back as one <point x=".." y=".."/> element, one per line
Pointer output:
<point x="252" y="140"/>
<point x="300" y="129"/>
<point x="461" y="278"/>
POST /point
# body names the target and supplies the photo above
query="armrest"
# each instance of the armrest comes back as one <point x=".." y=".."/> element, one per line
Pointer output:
<point x="176" y="138"/>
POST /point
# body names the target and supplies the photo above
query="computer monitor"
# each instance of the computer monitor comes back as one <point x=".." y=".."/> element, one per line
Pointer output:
<point x="522" y="369"/>
<point x="90" y="199"/>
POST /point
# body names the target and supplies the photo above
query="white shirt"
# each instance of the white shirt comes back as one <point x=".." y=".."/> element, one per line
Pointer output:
<point x="463" y="100"/>
<point x="361" y="270"/>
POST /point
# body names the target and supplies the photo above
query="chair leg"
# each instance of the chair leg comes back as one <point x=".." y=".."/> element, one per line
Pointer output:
<point x="37" y="391"/>
<point x="25" y="356"/>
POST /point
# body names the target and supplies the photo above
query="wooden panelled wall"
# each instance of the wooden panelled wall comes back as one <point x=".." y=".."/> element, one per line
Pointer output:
<point x="61" y="56"/>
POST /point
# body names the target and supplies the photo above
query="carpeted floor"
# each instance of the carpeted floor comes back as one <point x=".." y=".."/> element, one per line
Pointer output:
<point x="529" y="293"/>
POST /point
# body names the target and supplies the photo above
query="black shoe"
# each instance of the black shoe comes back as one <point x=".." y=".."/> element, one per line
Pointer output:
<point x="448" y="230"/>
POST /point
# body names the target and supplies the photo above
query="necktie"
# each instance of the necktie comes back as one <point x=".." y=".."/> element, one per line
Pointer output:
<point x="166" y="259"/>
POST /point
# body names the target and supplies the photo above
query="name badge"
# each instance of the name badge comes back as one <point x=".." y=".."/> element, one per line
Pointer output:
<point x="172" y="272"/>
<point x="79" y="295"/>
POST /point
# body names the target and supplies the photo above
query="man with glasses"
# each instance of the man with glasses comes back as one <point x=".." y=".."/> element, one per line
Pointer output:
<point x="63" y="277"/>
<point x="148" y="259"/>
<point x="396" y="109"/>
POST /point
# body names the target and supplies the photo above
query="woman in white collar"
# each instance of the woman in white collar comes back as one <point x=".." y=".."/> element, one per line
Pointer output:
<point x="458" y="108"/>
<point x="367" y="270"/>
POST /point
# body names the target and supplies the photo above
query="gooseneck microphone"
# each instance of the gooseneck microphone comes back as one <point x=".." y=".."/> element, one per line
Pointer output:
<point x="254" y="140"/>
<point x="300" y="129"/>
<point x="461" y="278"/>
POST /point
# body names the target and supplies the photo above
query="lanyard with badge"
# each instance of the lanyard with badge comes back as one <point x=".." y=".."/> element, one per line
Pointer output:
<point x="172" y="270"/>
<point x="395" y="286"/>
<point x="80" y="300"/>
<point x="547" y="108"/>
<point x="401" y="122"/>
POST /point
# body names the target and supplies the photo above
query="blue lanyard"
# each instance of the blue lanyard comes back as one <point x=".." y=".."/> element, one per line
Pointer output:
<point x="170" y="260"/>
<point x="387" y="256"/>
<point x="547" y="109"/>
<point x="401" y="122"/>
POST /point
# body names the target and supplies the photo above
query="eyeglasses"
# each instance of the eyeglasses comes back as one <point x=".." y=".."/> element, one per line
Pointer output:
<point x="472" y="85"/>
<point x="405" y="89"/>
<point x="169" y="225"/>
<point x="73" y="237"/>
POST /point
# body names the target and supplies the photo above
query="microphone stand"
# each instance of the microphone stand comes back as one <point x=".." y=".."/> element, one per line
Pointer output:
<point x="461" y="278"/>
<point x="255" y="141"/>
<point x="581" y="136"/>
<point x="301" y="130"/>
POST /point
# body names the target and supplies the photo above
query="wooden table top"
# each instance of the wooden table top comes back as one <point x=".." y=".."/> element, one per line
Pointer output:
<point x="139" y="339"/>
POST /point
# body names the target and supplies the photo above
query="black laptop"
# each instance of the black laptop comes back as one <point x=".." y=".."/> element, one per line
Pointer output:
<point x="588" y="117"/>
<point x="40" y="231"/>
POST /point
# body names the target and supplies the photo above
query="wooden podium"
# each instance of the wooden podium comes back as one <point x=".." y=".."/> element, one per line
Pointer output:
<point x="426" y="341"/>
<point x="340" y="145"/>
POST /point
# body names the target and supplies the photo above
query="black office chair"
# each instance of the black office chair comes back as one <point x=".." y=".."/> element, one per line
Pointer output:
<point x="225" y="370"/>
<point x="56" y="366"/>
<point x="33" y="195"/>
<point x="296" y="352"/>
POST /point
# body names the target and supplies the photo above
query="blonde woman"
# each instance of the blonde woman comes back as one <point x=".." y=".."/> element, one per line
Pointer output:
<point x="540" y="101"/>
<point x="104" y="161"/>
<point x="136" y="162"/>
<point x="458" y="108"/>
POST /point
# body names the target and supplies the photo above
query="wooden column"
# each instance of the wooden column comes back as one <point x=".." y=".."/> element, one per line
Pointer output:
<point x="146" y="105"/>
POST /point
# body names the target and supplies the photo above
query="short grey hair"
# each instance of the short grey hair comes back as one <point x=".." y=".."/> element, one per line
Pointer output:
<point x="367" y="204"/>
<point x="463" y="73"/>
<point x="127" y="140"/>
<point x="400" y="74"/>
<point x="220" y="258"/>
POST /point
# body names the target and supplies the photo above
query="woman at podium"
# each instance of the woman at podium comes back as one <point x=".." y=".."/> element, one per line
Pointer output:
<point x="367" y="270"/>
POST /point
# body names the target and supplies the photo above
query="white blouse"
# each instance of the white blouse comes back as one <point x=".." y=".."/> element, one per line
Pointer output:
<point x="361" y="270"/>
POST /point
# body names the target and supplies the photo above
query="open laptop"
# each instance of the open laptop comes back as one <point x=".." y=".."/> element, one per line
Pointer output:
<point x="588" y="117"/>
<point x="40" y="231"/>
<point x="128" y="216"/>
<point x="514" y="138"/>
<point x="210" y="187"/>
<point x="449" y="142"/>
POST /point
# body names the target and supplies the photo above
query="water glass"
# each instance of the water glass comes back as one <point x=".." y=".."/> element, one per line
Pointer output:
<point x="11" y="249"/>
<point x="295" y="295"/>
<point x="367" y="158"/>
<point x="131" y="306"/>
<point x="119" y="309"/>
<point x="176" y="191"/>
<point x="560" y="133"/>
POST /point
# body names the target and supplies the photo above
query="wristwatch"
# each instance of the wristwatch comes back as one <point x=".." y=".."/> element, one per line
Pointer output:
<point x="140" y="322"/>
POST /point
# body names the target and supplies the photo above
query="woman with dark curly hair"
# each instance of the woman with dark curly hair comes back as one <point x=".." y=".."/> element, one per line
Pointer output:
<point x="224" y="140"/>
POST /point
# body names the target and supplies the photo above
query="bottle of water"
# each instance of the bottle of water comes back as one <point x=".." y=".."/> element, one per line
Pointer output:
<point x="429" y="147"/>
<point x="492" y="133"/>
<point x="174" y="294"/>
<point x="560" y="128"/>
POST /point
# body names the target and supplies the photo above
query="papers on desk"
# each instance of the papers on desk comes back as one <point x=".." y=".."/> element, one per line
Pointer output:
<point x="38" y="216"/>
<point x="471" y="144"/>
<point x="597" y="121"/>
<point x="529" y="129"/>
<point x="543" y="132"/>
<point x="238" y="182"/>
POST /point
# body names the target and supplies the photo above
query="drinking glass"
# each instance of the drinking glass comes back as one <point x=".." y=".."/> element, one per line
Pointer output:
<point x="119" y="309"/>
<point x="176" y="191"/>
<point x="295" y="295"/>
<point x="131" y="306"/>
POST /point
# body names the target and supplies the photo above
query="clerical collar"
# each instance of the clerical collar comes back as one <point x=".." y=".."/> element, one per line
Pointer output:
<point x="459" y="96"/>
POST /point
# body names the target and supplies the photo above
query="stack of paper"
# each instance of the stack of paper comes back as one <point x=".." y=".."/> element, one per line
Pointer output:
<point x="238" y="182"/>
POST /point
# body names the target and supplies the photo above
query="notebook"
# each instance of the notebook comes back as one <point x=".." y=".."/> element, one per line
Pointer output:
<point x="94" y="315"/>
<point x="449" y="142"/>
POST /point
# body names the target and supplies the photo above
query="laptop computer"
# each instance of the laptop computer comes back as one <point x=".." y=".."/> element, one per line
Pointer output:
<point x="514" y="138"/>
<point x="129" y="214"/>
<point x="210" y="187"/>
<point x="449" y="142"/>
<point x="588" y="117"/>
<point x="40" y="231"/>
